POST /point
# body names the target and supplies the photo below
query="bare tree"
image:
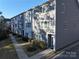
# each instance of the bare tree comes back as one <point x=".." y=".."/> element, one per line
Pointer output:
<point x="0" y="12"/>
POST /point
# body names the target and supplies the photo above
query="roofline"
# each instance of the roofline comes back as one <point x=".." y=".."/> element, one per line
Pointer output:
<point x="30" y="9"/>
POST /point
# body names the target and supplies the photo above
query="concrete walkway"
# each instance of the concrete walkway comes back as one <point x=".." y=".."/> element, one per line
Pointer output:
<point x="22" y="55"/>
<point x="20" y="52"/>
<point x="41" y="54"/>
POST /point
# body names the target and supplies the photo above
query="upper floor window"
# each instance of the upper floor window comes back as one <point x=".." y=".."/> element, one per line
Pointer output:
<point x="48" y="6"/>
<point x="38" y="9"/>
<point x="51" y="6"/>
<point x="42" y="18"/>
<point x="20" y="16"/>
<point x="45" y="8"/>
<point x="13" y="18"/>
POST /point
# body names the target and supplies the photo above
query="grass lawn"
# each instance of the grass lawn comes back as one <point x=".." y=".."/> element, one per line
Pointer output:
<point x="7" y="50"/>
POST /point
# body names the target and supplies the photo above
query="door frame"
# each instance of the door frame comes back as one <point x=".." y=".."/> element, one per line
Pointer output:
<point x="50" y="41"/>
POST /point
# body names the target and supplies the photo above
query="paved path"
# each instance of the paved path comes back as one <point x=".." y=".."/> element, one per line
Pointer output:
<point x="22" y="55"/>
<point x="20" y="52"/>
<point x="41" y="54"/>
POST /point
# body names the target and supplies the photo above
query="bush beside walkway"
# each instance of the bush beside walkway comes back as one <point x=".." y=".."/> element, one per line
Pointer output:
<point x="32" y="47"/>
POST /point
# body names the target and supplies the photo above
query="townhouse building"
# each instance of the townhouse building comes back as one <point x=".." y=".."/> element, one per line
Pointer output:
<point x="44" y="22"/>
<point x="56" y="22"/>
<point x="38" y="22"/>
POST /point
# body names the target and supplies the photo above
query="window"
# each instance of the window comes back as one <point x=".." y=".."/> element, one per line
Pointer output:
<point x="52" y="23"/>
<point x="45" y="24"/>
<point x="20" y="16"/>
<point x="15" y="25"/>
<point x="29" y="13"/>
<point x="35" y="17"/>
<point x="48" y="17"/>
<point x="42" y="18"/>
<point x="13" y="18"/>
<point x="45" y="8"/>
<point x="42" y="23"/>
<point x="51" y="6"/>
<point x="35" y="27"/>
<point x="28" y="24"/>
<point x="51" y="18"/>
<point x="38" y="9"/>
<point x="27" y="34"/>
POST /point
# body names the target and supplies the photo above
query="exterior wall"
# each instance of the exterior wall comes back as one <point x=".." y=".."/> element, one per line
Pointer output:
<point x="62" y="23"/>
<point x="37" y="23"/>
<point x="11" y="24"/>
<point x="48" y="24"/>
<point x="20" y="24"/>
<point x="44" y="20"/>
<point x="67" y="24"/>
<point x="17" y="24"/>
<point x="28" y="24"/>
<point x="8" y="25"/>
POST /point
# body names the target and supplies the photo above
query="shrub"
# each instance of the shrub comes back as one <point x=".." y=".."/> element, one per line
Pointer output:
<point x="39" y="44"/>
<point x="3" y="35"/>
<point x="42" y="45"/>
<point x="25" y="39"/>
<point x="14" y="34"/>
<point x="36" y="44"/>
<point x="31" y="48"/>
<point x="19" y="35"/>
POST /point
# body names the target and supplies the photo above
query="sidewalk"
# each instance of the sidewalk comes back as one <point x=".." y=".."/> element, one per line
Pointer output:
<point x="41" y="54"/>
<point x="22" y="55"/>
<point x="20" y="52"/>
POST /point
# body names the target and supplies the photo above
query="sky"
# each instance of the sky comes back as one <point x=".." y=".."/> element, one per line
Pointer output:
<point x="10" y="8"/>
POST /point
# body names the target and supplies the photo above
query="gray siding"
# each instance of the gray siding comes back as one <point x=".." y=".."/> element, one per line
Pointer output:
<point x="67" y="29"/>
